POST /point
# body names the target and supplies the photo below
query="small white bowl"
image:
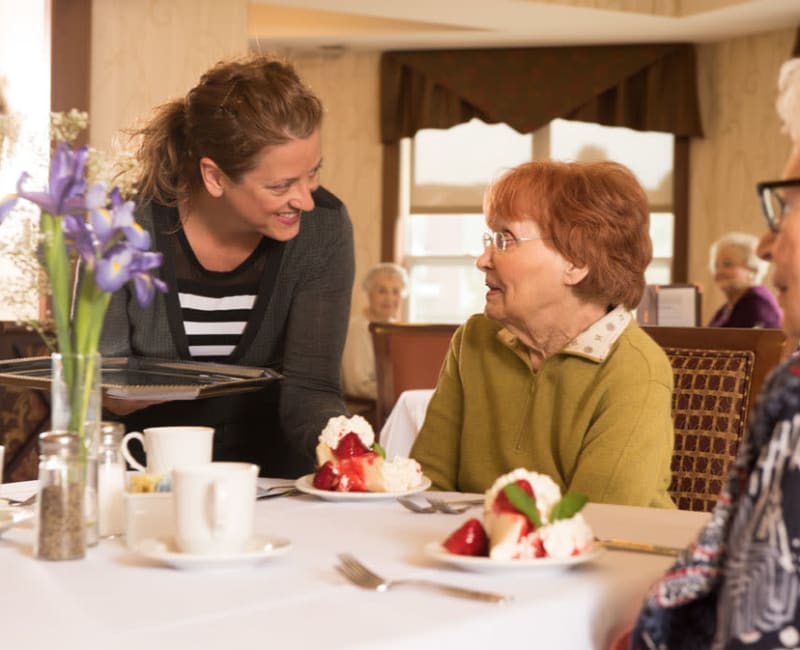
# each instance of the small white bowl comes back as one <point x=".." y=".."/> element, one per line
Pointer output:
<point x="148" y="515"/>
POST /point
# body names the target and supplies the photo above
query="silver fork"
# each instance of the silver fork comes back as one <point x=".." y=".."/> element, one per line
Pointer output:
<point x="360" y="575"/>
<point x="454" y="507"/>
<point x="440" y="505"/>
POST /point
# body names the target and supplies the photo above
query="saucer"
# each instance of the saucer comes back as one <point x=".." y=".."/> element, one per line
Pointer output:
<point x="486" y="564"/>
<point x="11" y="516"/>
<point x="259" y="549"/>
<point x="306" y="484"/>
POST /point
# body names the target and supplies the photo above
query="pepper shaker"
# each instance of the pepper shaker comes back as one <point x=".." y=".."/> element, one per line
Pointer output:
<point x="60" y="521"/>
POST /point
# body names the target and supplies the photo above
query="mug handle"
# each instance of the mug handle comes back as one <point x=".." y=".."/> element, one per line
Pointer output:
<point x="137" y="435"/>
<point x="220" y="510"/>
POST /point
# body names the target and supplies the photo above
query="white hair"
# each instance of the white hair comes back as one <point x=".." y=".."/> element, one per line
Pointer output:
<point x="747" y="244"/>
<point x="788" y="101"/>
<point x="385" y="268"/>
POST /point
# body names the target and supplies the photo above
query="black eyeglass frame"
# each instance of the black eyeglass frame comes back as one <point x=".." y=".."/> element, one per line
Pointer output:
<point x="774" y="221"/>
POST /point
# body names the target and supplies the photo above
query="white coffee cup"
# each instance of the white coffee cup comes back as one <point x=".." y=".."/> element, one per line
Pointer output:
<point x="214" y="507"/>
<point x="169" y="447"/>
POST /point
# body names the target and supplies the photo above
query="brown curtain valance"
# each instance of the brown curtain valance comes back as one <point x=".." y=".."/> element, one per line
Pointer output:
<point x="643" y="87"/>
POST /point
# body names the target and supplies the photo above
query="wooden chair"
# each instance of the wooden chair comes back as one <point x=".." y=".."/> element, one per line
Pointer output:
<point x="407" y="355"/>
<point x="718" y="375"/>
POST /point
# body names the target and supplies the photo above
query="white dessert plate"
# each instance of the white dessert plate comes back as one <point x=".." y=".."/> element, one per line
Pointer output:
<point x="259" y="549"/>
<point x="11" y="516"/>
<point x="306" y="484"/>
<point x="472" y="563"/>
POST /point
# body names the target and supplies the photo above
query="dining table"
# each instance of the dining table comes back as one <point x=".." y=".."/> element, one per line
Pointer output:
<point x="117" y="597"/>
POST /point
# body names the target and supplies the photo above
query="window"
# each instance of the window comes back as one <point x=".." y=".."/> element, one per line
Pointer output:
<point x="448" y="171"/>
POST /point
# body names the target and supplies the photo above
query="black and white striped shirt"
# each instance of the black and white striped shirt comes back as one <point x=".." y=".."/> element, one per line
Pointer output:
<point x="216" y="305"/>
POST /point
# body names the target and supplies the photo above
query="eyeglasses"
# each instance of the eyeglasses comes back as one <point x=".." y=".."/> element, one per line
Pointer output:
<point x="503" y="241"/>
<point x="774" y="203"/>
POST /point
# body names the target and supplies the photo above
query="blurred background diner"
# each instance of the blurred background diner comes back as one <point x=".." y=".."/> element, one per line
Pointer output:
<point x="385" y="286"/>
<point x="739" y="273"/>
<point x="734" y="587"/>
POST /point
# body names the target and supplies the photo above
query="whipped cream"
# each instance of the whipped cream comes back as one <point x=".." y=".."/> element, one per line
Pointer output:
<point x="566" y="537"/>
<point x="545" y="491"/>
<point x="338" y="427"/>
<point x="401" y="474"/>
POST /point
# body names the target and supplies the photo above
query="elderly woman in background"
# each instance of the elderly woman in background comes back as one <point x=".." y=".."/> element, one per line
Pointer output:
<point x="556" y="376"/>
<point x="738" y="272"/>
<point x="738" y="585"/>
<point x="386" y="285"/>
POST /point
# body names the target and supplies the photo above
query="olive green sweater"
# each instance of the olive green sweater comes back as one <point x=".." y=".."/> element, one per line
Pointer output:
<point x="597" y="426"/>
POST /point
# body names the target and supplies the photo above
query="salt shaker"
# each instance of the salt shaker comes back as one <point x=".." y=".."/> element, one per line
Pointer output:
<point x="60" y="521"/>
<point x="110" y="480"/>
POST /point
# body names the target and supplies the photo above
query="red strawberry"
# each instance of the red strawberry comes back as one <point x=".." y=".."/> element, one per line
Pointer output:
<point x="352" y="475"/>
<point x="469" y="539"/>
<point x="326" y="478"/>
<point x="502" y="504"/>
<point x="350" y="445"/>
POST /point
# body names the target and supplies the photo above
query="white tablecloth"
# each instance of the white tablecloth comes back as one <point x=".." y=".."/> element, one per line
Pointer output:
<point x="116" y="599"/>
<point x="404" y="422"/>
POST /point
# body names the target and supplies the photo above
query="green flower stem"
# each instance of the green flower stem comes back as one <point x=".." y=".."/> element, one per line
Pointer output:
<point x="59" y="272"/>
<point x="79" y="336"/>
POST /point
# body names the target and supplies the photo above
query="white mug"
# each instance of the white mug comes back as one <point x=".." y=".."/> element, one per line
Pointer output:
<point x="168" y="447"/>
<point x="214" y="506"/>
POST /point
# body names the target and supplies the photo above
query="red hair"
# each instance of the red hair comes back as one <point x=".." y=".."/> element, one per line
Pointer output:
<point x="595" y="214"/>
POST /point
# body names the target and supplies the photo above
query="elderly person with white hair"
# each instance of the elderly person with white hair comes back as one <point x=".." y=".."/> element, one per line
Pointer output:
<point x="738" y="272"/>
<point x="386" y="285"/>
<point x="738" y="585"/>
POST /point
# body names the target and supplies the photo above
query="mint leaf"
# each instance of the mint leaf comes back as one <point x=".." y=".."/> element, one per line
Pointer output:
<point x="523" y="502"/>
<point x="567" y="506"/>
<point x="379" y="450"/>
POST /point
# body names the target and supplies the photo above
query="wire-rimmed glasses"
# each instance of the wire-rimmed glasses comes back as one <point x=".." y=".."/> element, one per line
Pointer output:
<point x="774" y="202"/>
<point x="503" y="241"/>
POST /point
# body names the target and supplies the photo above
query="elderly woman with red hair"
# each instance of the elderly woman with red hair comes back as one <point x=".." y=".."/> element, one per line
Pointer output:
<point x="556" y="376"/>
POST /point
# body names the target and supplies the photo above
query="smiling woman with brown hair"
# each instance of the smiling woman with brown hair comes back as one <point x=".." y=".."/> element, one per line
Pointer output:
<point x="258" y="258"/>
<point x="556" y="376"/>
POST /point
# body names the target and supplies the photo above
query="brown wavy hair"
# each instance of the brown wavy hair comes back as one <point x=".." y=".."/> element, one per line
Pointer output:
<point x="595" y="214"/>
<point x="236" y="110"/>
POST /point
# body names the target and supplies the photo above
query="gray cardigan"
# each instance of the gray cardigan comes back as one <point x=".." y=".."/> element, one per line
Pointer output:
<point x="298" y="327"/>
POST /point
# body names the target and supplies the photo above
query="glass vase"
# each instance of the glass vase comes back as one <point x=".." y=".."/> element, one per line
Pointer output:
<point x="76" y="397"/>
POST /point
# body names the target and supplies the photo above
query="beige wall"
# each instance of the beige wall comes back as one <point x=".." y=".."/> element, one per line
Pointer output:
<point x="145" y="52"/>
<point x="351" y="149"/>
<point x="742" y="144"/>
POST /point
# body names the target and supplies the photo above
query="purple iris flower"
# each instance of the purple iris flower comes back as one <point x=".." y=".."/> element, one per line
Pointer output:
<point x="114" y="268"/>
<point x="67" y="192"/>
<point x="123" y="262"/>
<point x="146" y="286"/>
<point x="109" y="225"/>
<point x="80" y="238"/>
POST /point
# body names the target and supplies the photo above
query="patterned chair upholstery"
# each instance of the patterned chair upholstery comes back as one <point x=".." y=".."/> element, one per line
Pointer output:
<point x="709" y="406"/>
<point x="24" y="412"/>
<point x="718" y="373"/>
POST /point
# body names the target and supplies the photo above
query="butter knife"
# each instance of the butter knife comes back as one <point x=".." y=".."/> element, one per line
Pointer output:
<point x="638" y="547"/>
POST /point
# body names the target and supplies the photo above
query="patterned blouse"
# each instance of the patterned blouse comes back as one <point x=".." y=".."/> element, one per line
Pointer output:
<point x="738" y="585"/>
